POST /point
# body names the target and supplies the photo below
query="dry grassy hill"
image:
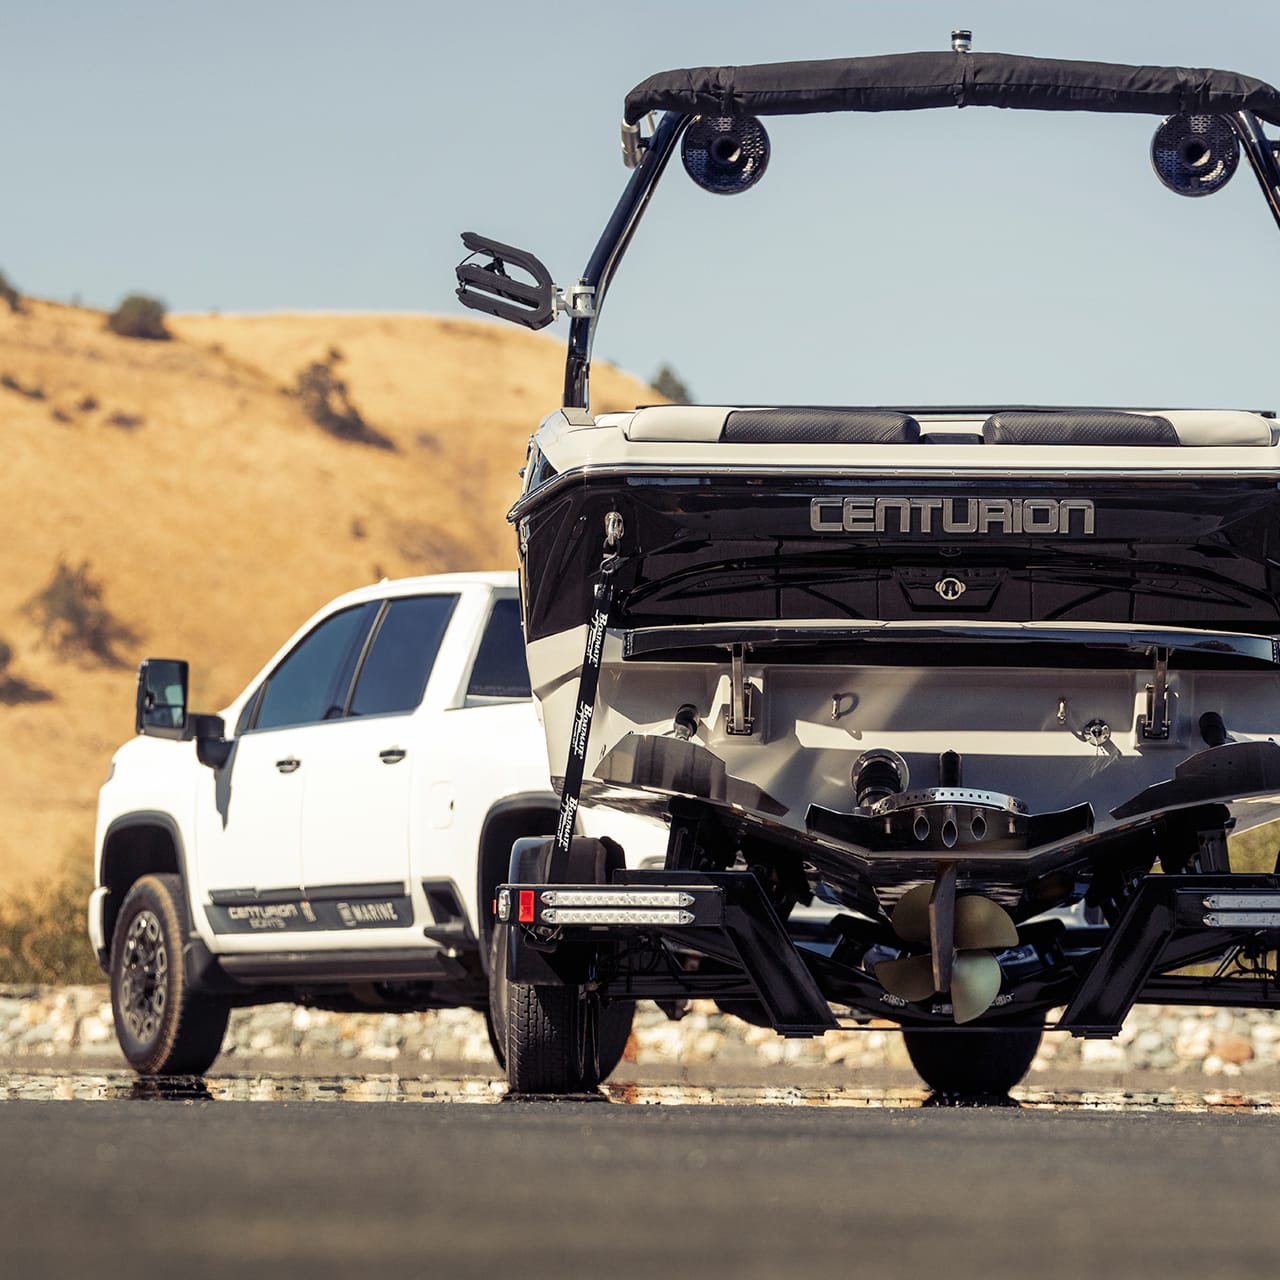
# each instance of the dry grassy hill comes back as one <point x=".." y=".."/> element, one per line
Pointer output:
<point x="215" y="515"/>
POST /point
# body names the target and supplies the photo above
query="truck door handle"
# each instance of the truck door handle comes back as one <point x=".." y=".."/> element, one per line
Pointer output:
<point x="392" y="755"/>
<point x="290" y="764"/>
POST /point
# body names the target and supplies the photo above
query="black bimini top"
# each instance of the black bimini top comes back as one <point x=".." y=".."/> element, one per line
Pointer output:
<point x="913" y="81"/>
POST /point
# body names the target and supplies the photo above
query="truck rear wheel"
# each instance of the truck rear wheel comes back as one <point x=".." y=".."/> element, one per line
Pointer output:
<point x="972" y="1062"/>
<point x="164" y="1028"/>
<point x="558" y="1039"/>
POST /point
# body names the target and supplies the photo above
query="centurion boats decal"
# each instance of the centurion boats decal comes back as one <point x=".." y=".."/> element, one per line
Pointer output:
<point x="1064" y="516"/>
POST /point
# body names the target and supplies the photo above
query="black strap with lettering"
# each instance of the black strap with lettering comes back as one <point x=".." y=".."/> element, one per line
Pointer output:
<point x="587" y="685"/>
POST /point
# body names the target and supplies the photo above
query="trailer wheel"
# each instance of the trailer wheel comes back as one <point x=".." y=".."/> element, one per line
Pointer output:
<point x="163" y="1026"/>
<point x="559" y="1039"/>
<point x="970" y="1062"/>
<point x="496" y="1013"/>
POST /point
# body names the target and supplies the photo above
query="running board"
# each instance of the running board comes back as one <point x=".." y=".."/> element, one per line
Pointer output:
<point x="425" y="964"/>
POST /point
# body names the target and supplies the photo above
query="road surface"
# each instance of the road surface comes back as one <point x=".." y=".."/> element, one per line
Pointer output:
<point x="205" y="1181"/>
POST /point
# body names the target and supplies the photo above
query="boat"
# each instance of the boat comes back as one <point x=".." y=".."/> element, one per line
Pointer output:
<point x="992" y="685"/>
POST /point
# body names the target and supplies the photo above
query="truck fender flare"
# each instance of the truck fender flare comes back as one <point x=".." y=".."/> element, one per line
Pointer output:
<point x="139" y="820"/>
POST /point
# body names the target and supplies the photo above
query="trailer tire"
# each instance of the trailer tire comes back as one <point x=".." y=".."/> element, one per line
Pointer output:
<point x="972" y="1063"/>
<point x="496" y="1014"/>
<point x="164" y="1028"/>
<point x="558" y="1039"/>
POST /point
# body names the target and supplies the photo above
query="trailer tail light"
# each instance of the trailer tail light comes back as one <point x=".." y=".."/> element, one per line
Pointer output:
<point x="526" y="906"/>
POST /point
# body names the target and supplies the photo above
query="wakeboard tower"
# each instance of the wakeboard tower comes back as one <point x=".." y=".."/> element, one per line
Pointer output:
<point x="968" y="676"/>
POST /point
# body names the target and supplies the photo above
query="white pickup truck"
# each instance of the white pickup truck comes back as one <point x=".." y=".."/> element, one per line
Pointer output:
<point x="335" y="835"/>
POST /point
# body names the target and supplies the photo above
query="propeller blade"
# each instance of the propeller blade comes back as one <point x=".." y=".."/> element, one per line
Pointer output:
<point x="909" y="979"/>
<point x="911" y="916"/>
<point x="981" y="924"/>
<point x="975" y="983"/>
<point x="942" y="924"/>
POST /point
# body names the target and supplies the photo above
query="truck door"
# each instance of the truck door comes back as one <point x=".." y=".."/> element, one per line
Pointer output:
<point x="363" y="769"/>
<point x="250" y="842"/>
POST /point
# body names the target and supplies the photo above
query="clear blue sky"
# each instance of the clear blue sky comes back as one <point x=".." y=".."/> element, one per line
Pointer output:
<point x="273" y="155"/>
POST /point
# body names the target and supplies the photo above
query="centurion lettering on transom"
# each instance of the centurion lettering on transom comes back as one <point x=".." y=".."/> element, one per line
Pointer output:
<point x="1033" y="516"/>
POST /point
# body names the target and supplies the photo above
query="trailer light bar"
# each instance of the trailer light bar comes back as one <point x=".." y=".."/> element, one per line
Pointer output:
<point x="1243" y="919"/>
<point x="615" y="898"/>
<point x="1242" y="902"/>
<point x="614" y="915"/>
<point x="1242" y="910"/>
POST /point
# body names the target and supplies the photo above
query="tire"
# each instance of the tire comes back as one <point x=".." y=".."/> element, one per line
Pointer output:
<point x="558" y="1039"/>
<point x="495" y="1013"/>
<point x="972" y="1063"/>
<point x="163" y="1026"/>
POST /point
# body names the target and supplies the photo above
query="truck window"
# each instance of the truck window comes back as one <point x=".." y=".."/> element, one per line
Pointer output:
<point x="304" y="688"/>
<point x="500" y="670"/>
<point x="394" y="674"/>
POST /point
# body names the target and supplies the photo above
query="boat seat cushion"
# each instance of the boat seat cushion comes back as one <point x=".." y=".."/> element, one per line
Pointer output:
<point x="708" y="424"/>
<point x="1087" y="427"/>
<point x="819" y="426"/>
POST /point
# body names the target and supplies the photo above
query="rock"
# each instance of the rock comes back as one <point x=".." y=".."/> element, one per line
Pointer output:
<point x="1102" y="1053"/>
<point x="1149" y="1041"/>
<point x="40" y="1036"/>
<point x="45" y="1021"/>
<point x="1231" y="1047"/>
<point x="93" y="1031"/>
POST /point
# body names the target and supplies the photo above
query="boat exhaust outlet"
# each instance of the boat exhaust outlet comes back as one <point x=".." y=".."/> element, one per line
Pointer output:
<point x="879" y="773"/>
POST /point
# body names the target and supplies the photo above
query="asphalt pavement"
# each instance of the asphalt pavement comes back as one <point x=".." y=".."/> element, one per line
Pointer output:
<point x="205" y="1181"/>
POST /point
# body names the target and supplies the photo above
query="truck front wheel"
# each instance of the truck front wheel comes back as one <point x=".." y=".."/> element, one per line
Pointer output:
<point x="558" y="1039"/>
<point x="163" y="1026"/>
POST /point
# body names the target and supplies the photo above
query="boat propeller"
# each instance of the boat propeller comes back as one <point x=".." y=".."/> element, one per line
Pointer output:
<point x="962" y="933"/>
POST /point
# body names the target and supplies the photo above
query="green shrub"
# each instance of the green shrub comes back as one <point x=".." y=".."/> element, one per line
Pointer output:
<point x="10" y="383"/>
<point x="13" y="689"/>
<point x="73" y="619"/>
<point x="667" y="382"/>
<point x="140" y="316"/>
<point x="10" y="295"/>
<point x="42" y="931"/>
<point x="327" y="402"/>
<point x="1255" y="850"/>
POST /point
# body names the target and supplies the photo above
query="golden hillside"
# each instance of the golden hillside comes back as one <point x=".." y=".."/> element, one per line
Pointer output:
<point x="216" y="516"/>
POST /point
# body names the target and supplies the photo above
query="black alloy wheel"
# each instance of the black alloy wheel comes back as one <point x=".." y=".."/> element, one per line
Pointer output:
<point x="163" y="1026"/>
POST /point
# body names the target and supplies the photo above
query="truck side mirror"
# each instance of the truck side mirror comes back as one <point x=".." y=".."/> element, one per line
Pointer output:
<point x="161" y="709"/>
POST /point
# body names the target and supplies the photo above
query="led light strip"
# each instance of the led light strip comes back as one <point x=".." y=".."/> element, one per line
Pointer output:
<point x="613" y="915"/>
<point x="1243" y="919"/>
<point x="615" y="898"/>
<point x="1242" y="902"/>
